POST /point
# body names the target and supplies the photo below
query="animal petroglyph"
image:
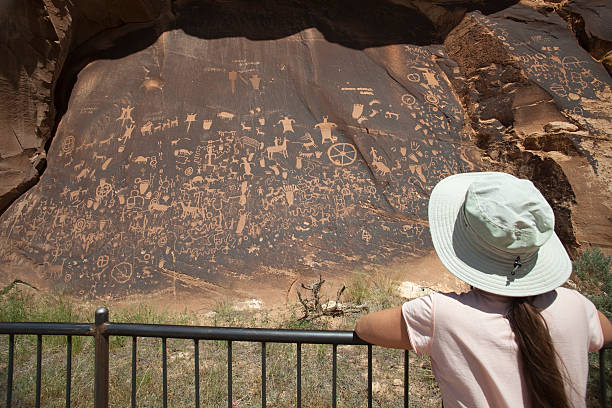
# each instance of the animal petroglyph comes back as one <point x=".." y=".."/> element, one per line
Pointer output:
<point x="309" y="141"/>
<point x="146" y="128"/>
<point x="277" y="148"/>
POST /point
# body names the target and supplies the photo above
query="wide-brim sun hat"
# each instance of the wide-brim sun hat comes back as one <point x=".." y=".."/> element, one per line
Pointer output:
<point x="496" y="232"/>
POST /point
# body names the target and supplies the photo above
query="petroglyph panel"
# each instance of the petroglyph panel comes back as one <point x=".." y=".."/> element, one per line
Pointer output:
<point x="547" y="52"/>
<point x="213" y="159"/>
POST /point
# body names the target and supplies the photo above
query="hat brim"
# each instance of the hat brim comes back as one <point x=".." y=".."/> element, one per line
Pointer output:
<point x="543" y="273"/>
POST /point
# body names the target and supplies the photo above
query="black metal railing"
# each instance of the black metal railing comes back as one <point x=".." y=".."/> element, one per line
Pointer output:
<point x="102" y="329"/>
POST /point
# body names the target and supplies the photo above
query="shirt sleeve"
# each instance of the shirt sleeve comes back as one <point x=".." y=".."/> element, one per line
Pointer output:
<point x="595" y="333"/>
<point x="419" y="317"/>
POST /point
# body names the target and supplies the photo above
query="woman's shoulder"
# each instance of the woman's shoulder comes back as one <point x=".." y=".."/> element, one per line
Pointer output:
<point x="473" y="299"/>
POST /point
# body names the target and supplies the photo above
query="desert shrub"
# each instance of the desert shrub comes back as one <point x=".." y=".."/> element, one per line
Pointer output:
<point x="592" y="269"/>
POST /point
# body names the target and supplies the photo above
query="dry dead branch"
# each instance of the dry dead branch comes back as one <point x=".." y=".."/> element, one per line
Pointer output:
<point x="314" y="307"/>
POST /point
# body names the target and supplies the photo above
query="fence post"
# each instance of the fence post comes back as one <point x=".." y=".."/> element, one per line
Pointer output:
<point x="101" y="363"/>
<point x="603" y="394"/>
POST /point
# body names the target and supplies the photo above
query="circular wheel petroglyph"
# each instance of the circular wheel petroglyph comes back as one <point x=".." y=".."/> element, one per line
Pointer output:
<point x="122" y="272"/>
<point x="342" y="154"/>
<point x="408" y="100"/>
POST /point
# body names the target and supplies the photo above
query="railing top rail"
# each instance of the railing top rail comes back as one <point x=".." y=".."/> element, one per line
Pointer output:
<point x="47" y="328"/>
<point x="234" y="334"/>
<point x="191" y="332"/>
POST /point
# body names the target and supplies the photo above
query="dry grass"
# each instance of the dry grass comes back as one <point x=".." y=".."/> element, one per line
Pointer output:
<point x="21" y="303"/>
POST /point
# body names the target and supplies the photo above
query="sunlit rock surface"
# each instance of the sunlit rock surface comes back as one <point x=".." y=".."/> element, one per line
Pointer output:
<point x="236" y="146"/>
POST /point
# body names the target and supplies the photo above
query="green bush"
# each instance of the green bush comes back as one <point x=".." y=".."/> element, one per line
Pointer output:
<point x="592" y="269"/>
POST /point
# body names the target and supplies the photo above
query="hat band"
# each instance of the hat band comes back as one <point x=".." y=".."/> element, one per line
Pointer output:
<point x="487" y="250"/>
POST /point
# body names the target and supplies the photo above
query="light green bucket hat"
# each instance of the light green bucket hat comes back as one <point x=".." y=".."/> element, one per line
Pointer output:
<point x="496" y="233"/>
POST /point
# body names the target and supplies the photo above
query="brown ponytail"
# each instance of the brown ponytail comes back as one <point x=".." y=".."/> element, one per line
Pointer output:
<point x="540" y="368"/>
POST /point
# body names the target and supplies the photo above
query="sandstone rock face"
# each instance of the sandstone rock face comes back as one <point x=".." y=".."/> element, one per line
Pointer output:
<point x="36" y="38"/>
<point x="208" y="147"/>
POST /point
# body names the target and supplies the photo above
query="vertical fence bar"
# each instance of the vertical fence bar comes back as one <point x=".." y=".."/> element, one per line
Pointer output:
<point x="603" y="394"/>
<point x="165" y="372"/>
<point x="101" y="359"/>
<point x="369" y="376"/>
<point x="263" y="374"/>
<point x="134" y="361"/>
<point x="299" y="375"/>
<point x="38" y="368"/>
<point x="406" y="378"/>
<point x="9" y="380"/>
<point x="334" y="373"/>
<point x="229" y="374"/>
<point x="68" y="369"/>
<point x="196" y="355"/>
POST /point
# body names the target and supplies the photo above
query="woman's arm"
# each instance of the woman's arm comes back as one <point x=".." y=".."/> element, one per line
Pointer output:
<point x="386" y="328"/>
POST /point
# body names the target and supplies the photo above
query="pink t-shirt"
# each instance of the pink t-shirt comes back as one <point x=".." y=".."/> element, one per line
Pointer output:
<point x="474" y="354"/>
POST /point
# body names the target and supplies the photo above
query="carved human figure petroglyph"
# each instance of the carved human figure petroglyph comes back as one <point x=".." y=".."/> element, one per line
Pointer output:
<point x="282" y="148"/>
<point x="287" y="124"/>
<point x="210" y="154"/>
<point x="126" y="114"/>
<point x="128" y="133"/>
<point x="326" y="128"/>
<point x="430" y="77"/>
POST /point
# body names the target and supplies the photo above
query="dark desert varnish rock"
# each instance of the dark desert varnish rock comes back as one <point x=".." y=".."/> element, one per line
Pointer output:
<point x="252" y="145"/>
